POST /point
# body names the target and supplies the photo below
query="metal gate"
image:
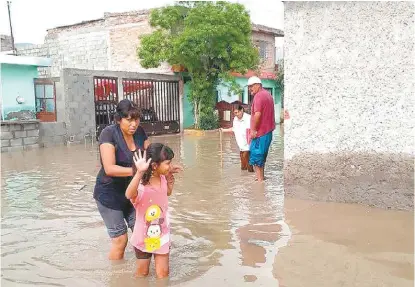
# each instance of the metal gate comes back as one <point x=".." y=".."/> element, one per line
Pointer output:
<point x="158" y="101"/>
<point x="106" y="100"/>
<point x="225" y="112"/>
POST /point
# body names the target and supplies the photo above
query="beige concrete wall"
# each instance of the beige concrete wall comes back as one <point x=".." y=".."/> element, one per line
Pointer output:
<point x="110" y="43"/>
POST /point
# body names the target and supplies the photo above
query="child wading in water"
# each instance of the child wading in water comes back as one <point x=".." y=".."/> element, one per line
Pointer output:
<point x="148" y="191"/>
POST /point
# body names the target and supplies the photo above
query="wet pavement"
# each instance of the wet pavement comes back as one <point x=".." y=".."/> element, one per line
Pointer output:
<point x="227" y="229"/>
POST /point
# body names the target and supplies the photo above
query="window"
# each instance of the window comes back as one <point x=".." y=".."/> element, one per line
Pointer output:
<point x="45" y="100"/>
<point x="218" y="96"/>
<point x="263" y="51"/>
<point x="269" y="90"/>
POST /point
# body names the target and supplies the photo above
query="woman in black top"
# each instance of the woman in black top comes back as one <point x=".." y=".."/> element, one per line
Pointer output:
<point x="117" y="143"/>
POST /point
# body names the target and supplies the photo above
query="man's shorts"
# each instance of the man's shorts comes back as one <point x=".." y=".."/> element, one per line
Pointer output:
<point x="259" y="150"/>
<point x="116" y="221"/>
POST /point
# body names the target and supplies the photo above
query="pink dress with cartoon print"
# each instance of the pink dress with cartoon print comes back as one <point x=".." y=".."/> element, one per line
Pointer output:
<point x="152" y="225"/>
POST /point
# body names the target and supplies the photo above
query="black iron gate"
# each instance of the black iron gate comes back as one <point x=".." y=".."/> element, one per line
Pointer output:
<point x="106" y="100"/>
<point x="159" y="104"/>
<point x="158" y="101"/>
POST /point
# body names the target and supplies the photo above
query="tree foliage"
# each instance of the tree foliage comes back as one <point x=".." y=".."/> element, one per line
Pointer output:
<point x="210" y="39"/>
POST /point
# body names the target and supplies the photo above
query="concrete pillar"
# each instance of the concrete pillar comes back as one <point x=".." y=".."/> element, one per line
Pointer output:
<point x="120" y="89"/>
<point x="181" y="98"/>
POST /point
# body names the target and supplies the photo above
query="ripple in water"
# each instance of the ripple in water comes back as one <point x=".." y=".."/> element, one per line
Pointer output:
<point x="223" y="223"/>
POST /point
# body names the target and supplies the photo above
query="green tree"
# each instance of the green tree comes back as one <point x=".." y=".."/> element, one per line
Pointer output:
<point x="210" y="39"/>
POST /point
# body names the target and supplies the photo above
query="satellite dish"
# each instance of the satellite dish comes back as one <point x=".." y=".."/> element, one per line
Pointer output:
<point x="20" y="100"/>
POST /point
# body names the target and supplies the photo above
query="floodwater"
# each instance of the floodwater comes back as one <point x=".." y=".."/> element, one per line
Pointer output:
<point x="227" y="229"/>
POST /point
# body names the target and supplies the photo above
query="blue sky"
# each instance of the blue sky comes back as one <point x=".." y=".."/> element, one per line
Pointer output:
<point x="31" y="18"/>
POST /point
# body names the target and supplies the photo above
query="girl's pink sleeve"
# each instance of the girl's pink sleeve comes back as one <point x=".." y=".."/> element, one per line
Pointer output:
<point x="136" y="200"/>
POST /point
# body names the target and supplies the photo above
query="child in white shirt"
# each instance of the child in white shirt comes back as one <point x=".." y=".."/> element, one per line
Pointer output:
<point x="241" y="127"/>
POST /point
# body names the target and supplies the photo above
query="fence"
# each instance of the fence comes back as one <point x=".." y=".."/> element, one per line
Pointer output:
<point x="158" y="100"/>
<point x="225" y="112"/>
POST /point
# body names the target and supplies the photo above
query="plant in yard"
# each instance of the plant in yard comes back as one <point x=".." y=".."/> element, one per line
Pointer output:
<point x="208" y="119"/>
<point x="210" y="39"/>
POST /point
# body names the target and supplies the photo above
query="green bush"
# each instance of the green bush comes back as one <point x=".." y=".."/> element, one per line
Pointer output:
<point x="209" y="119"/>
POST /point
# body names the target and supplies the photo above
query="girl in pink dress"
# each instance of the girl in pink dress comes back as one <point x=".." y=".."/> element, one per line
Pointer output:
<point x="148" y="191"/>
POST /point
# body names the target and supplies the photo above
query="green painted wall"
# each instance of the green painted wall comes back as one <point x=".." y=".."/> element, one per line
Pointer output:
<point x="188" y="118"/>
<point x="17" y="80"/>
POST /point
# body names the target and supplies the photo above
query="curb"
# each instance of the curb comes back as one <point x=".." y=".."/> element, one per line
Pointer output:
<point x="193" y="132"/>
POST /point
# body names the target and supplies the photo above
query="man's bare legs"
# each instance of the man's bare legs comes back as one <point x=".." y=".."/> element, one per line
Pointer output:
<point x="259" y="173"/>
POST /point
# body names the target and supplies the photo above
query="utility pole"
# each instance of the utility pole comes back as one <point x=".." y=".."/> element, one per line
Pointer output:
<point x="11" y="28"/>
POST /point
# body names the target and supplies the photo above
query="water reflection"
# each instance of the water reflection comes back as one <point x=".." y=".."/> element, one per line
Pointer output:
<point x="53" y="235"/>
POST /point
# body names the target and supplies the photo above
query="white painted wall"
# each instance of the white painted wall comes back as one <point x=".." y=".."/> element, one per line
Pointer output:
<point x="349" y="77"/>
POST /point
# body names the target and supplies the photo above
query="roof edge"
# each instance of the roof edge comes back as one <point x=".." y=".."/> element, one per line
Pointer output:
<point x="25" y="60"/>
<point x="255" y="27"/>
<point x="76" y="24"/>
<point x="128" y="13"/>
<point x="267" y="30"/>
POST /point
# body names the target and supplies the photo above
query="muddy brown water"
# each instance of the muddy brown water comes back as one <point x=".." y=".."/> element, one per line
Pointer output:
<point x="227" y="230"/>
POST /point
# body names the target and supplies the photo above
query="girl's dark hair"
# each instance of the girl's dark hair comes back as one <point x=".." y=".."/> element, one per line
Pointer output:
<point x="158" y="153"/>
<point x="125" y="109"/>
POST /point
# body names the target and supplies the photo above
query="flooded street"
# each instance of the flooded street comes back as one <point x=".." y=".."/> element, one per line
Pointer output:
<point x="227" y="230"/>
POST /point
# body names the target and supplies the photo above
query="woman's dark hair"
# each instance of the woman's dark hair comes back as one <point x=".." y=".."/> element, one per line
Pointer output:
<point x="125" y="109"/>
<point x="158" y="153"/>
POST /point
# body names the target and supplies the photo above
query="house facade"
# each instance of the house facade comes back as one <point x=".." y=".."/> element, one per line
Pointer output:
<point x="110" y="44"/>
<point x="264" y="39"/>
<point x="17" y="90"/>
<point x="5" y="43"/>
